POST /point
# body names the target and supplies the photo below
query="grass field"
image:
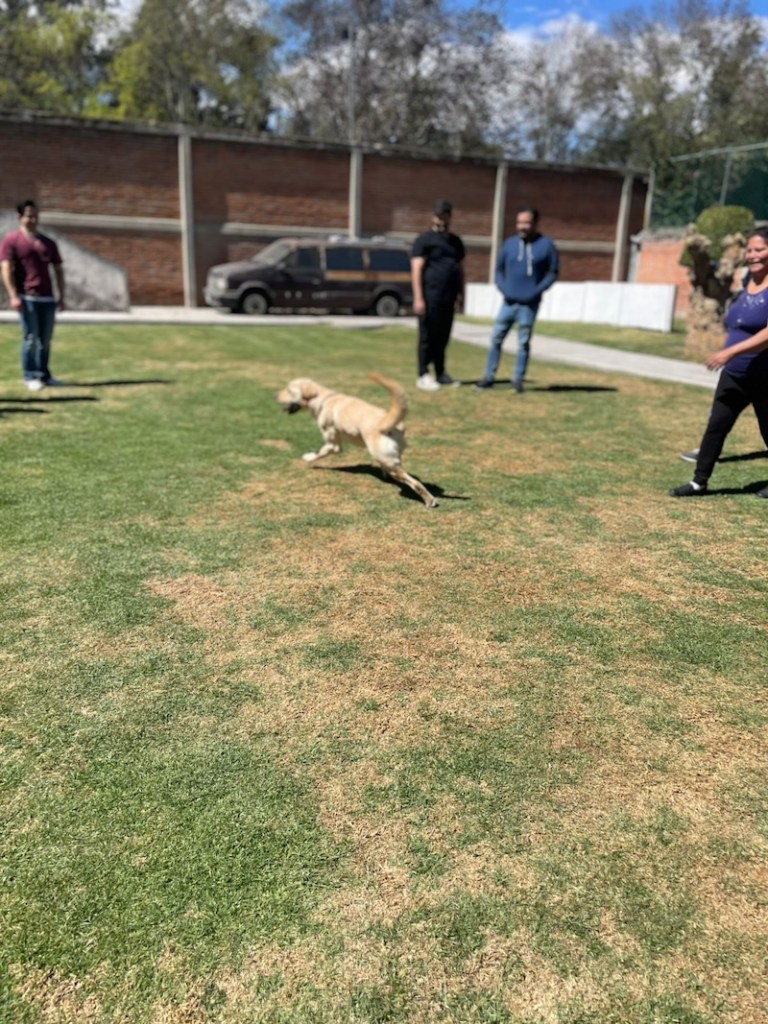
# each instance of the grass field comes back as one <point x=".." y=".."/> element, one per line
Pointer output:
<point x="281" y="745"/>
<point x="666" y="344"/>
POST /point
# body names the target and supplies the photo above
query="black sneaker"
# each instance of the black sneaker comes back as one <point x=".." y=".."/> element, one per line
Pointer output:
<point x="517" y="386"/>
<point x="688" y="491"/>
<point x="763" y="493"/>
<point x="690" y="456"/>
<point x="483" y="384"/>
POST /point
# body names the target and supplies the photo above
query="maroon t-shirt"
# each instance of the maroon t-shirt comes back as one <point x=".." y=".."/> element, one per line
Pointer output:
<point x="31" y="257"/>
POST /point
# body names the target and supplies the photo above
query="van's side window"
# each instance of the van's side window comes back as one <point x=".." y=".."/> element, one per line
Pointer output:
<point x="341" y="258"/>
<point x="309" y="259"/>
<point x="390" y="259"/>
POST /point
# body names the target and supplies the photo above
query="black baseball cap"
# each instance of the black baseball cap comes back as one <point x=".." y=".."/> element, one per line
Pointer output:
<point x="443" y="208"/>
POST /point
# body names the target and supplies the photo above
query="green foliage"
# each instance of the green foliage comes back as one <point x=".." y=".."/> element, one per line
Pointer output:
<point x="716" y="223"/>
<point x="50" y="55"/>
<point x="203" y="62"/>
<point x="197" y="62"/>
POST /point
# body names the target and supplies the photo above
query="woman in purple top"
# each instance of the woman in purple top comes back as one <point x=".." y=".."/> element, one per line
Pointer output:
<point x="744" y="365"/>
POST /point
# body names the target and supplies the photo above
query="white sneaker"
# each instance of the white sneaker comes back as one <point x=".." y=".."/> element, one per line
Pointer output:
<point x="427" y="383"/>
<point x="34" y="385"/>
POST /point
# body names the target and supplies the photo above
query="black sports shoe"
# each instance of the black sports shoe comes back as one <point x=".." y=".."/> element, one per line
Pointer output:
<point x="481" y="385"/>
<point x="688" y="491"/>
<point x="517" y="385"/>
<point x="763" y="493"/>
<point x="690" y="456"/>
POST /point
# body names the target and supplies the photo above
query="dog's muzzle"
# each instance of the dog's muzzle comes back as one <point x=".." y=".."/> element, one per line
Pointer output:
<point x="292" y="408"/>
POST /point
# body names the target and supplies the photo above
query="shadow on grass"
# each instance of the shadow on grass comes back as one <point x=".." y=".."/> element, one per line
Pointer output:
<point x="753" y="488"/>
<point x="571" y="387"/>
<point x="58" y="400"/>
<point x="406" y="492"/>
<point x="30" y="412"/>
<point x="506" y="385"/>
<point x="747" y="457"/>
<point x="115" y="383"/>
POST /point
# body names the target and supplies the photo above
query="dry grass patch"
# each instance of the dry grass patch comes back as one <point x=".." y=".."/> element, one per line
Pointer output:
<point x="56" y="999"/>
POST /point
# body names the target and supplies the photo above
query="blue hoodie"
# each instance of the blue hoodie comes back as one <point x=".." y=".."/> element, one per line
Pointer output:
<point x="525" y="269"/>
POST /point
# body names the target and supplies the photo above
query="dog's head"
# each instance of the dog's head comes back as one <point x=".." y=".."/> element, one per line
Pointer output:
<point x="297" y="394"/>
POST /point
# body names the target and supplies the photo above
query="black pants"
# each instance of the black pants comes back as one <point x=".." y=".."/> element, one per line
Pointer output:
<point x="434" y="335"/>
<point x="732" y="396"/>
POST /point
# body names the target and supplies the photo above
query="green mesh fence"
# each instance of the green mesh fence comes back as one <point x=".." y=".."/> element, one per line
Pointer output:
<point x="688" y="185"/>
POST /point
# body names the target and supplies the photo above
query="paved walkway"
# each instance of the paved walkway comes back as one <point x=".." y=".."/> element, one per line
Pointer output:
<point x="551" y="350"/>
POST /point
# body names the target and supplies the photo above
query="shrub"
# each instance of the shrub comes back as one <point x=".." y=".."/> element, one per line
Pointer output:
<point x="717" y="222"/>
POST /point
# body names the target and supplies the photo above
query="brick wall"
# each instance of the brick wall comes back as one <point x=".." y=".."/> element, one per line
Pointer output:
<point x="399" y="193"/>
<point x="115" y="190"/>
<point x="88" y="171"/>
<point x="263" y="184"/>
<point x="659" y="263"/>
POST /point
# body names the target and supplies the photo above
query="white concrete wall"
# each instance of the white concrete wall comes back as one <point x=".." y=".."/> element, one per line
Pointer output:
<point x="649" y="306"/>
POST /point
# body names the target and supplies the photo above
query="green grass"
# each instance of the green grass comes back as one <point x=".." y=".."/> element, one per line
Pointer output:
<point x="281" y="745"/>
<point x="667" y="344"/>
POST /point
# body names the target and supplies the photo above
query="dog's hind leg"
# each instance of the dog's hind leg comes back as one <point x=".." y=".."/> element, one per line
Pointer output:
<point x="399" y="474"/>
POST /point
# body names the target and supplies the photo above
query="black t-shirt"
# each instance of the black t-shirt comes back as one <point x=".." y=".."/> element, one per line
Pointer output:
<point x="442" y="253"/>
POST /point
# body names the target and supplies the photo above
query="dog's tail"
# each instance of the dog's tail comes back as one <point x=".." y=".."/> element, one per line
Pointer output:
<point x="398" y="405"/>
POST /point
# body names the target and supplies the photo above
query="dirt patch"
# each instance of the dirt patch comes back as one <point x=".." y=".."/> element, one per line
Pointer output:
<point x="56" y="999"/>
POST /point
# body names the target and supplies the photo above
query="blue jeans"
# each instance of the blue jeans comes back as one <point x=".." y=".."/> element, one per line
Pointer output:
<point x="37" y="319"/>
<point x="510" y="313"/>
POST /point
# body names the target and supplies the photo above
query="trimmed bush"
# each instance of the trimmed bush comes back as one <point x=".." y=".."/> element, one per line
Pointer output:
<point x="717" y="222"/>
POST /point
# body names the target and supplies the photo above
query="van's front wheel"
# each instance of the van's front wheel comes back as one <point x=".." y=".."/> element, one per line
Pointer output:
<point x="254" y="304"/>
<point x="386" y="305"/>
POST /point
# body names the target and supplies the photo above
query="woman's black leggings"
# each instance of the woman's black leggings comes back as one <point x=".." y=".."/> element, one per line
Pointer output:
<point x="732" y="396"/>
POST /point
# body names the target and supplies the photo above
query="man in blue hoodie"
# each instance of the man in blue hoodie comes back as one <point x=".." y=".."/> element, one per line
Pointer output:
<point x="528" y="264"/>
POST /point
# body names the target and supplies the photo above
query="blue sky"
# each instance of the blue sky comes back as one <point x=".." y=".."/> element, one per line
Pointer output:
<point x="525" y="13"/>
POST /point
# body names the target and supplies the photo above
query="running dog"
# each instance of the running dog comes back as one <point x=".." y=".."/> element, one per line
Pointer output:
<point x="342" y="418"/>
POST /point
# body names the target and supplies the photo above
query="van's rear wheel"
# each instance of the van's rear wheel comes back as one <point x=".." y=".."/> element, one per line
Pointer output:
<point x="387" y="305"/>
<point x="254" y="304"/>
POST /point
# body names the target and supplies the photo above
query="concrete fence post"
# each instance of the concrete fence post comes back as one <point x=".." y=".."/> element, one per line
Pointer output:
<point x="187" y="218"/>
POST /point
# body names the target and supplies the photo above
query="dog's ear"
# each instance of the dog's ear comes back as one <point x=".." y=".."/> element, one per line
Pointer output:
<point x="308" y="389"/>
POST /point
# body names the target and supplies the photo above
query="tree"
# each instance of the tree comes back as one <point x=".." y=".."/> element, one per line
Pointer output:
<point x="409" y="72"/>
<point x="548" y="100"/>
<point x="681" y="78"/>
<point x="197" y="62"/>
<point x="51" y="54"/>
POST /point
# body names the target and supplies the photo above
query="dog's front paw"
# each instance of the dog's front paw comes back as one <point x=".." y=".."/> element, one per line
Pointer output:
<point x="309" y="456"/>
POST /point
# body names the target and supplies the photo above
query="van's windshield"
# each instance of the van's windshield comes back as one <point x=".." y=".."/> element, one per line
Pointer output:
<point x="273" y="253"/>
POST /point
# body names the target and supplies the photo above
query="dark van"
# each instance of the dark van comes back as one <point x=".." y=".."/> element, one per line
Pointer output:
<point x="363" y="275"/>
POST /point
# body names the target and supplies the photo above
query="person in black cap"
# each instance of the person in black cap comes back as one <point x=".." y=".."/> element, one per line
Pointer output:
<point x="438" y="288"/>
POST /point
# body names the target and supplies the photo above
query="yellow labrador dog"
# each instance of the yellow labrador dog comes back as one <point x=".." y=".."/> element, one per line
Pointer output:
<point x="342" y="418"/>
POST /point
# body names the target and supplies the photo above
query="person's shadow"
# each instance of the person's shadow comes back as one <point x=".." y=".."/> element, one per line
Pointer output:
<point x="506" y="385"/>
<point x="39" y="406"/>
<point x="116" y="383"/>
<point x="751" y="488"/>
<point x="747" y="457"/>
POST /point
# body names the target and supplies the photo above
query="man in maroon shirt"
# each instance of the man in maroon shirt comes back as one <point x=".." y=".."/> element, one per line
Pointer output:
<point x="26" y="258"/>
